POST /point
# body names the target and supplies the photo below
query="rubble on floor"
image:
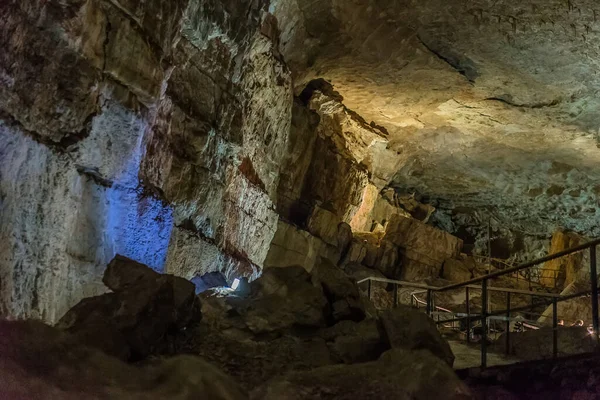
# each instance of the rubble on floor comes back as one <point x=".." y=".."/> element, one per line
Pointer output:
<point x="291" y="327"/>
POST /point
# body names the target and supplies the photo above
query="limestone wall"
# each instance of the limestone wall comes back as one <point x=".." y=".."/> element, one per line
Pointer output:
<point x="151" y="129"/>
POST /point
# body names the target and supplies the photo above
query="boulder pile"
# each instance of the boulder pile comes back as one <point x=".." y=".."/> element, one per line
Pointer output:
<point x="290" y="335"/>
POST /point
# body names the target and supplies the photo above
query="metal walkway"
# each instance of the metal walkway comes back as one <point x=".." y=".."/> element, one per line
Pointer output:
<point x="481" y="284"/>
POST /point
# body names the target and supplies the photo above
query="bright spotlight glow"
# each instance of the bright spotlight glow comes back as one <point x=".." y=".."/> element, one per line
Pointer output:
<point x="235" y="284"/>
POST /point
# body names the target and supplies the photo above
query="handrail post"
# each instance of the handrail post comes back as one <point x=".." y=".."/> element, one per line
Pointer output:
<point x="554" y="328"/>
<point x="369" y="289"/>
<point x="395" y="295"/>
<point x="594" y="279"/>
<point x="428" y="302"/>
<point x="507" y="322"/>
<point x="468" y="315"/>
<point x="484" y="299"/>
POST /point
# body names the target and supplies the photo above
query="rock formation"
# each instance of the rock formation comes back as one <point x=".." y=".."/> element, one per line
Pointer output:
<point x="288" y="329"/>
<point x="268" y="154"/>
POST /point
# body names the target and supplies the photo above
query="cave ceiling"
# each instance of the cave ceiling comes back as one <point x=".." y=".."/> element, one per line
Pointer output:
<point x="489" y="105"/>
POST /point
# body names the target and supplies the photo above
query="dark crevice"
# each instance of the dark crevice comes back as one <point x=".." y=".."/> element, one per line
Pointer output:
<point x="94" y="174"/>
<point x="508" y="99"/>
<point x="189" y="226"/>
<point x="63" y="145"/>
<point x="322" y="86"/>
<point x="106" y="42"/>
<point x="463" y="65"/>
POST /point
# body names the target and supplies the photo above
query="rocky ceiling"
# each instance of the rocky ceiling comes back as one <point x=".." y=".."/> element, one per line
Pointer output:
<point x="490" y="105"/>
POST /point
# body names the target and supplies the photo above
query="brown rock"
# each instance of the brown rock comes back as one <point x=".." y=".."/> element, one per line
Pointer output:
<point x="562" y="271"/>
<point x="324" y="224"/>
<point x="456" y="271"/>
<point x="341" y="291"/>
<point x="398" y="374"/>
<point x="421" y="242"/>
<point x="282" y="298"/>
<point x="38" y="361"/>
<point x="407" y="328"/>
<point x="354" y="342"/>
<point x="413" y="270"/>
<point x="292" y="246"/>
<point x="131" y="322"/>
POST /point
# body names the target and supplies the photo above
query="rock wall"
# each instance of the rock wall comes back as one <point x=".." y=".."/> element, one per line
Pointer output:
<point x="491" y="105"/>
<point x="153" y="130"/>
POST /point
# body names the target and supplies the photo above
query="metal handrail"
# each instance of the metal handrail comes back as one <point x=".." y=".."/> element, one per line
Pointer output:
<point x="497" y="274"/>
<point x="484" y="315"/>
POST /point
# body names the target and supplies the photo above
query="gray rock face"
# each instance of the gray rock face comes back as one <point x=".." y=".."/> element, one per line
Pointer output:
<point x="410" y="329"/>
<point x="150" y="130"/>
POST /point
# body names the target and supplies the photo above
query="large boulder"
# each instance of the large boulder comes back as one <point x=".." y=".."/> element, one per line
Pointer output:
<point x="38" y="361"/>
<point x="324" y="224"/>
<point x="281" y="299"/>
<point x="398" y="374"/>
<point x="131" y="322"/>
<point x="561" y="272"/>
<point x="354" y="342"/>
<point x="370" y="250"/>
<point x="410" y="329"/>
<point x="423" y="246"/>
<point x="340" y="289"/>
<point x="456" y="270"/>
<point x="292" y="246"/>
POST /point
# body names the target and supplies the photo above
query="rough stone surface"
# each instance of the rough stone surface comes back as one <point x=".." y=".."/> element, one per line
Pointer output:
<point x="537" y="344"/>
<point x="282" y="298"/>
<point x="422" y="242"/>
<point x="37" y="361"/>
<point x="490" y="105"/>
<point x="131" y="322"/>
<point x="292" y="246"/>
<point x="410" y="329"/>
<point x="341" y="291"/>
<point x="352" y="342"/>
<point x="121" y="121"/>
<point x="398" y="374"/>
<point x="456" y="270"/>
<point x="563" y="271"/>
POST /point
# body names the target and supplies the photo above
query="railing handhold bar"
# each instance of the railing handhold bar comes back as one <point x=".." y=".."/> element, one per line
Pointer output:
<point x="522" y="266"/>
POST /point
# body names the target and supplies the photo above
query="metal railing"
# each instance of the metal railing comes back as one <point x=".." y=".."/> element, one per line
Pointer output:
<point x="532" y="276"/>
<point x="485" y="288"/>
